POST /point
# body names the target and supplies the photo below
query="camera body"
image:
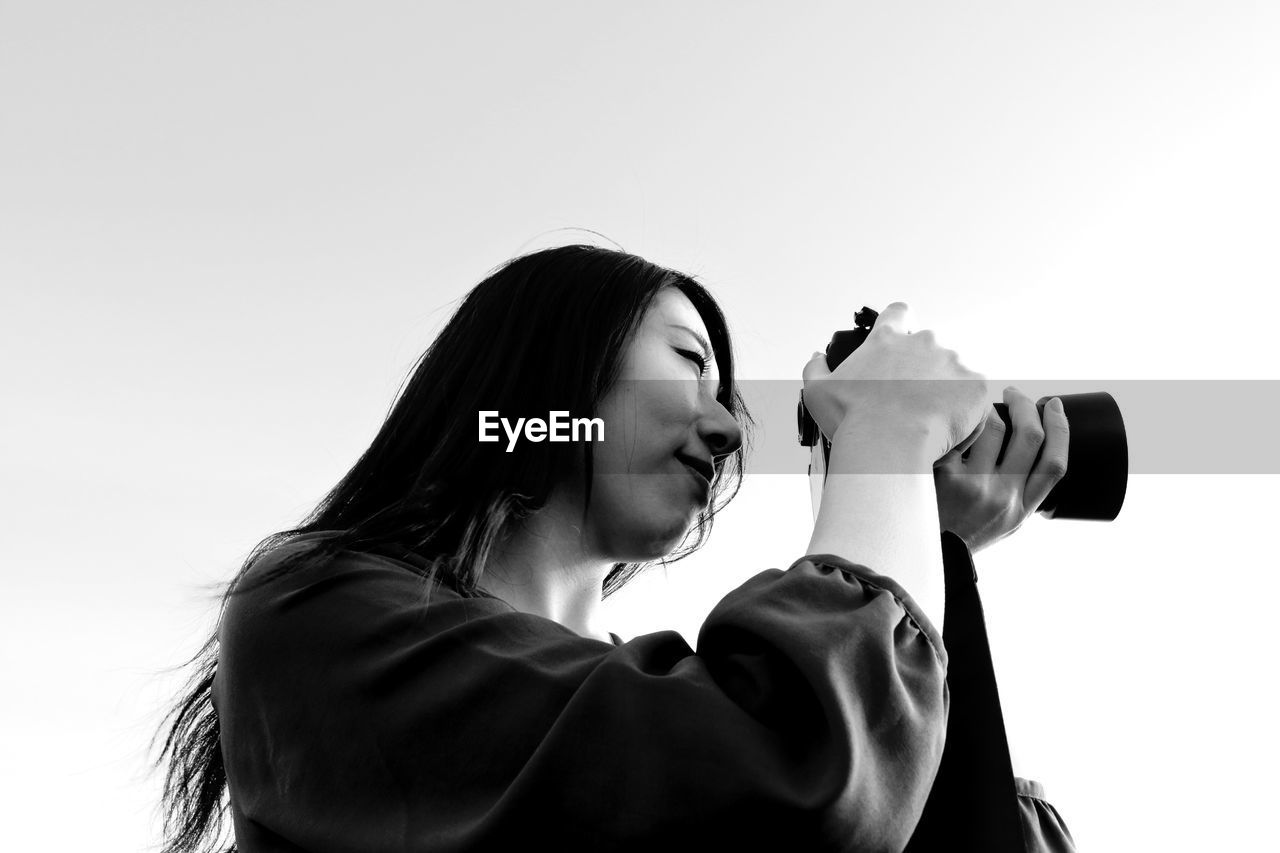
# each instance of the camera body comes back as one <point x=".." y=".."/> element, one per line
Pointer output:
<point x="1097" y="457"/>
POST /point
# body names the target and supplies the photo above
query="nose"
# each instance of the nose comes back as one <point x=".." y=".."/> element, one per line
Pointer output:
<point x="720" y="430"/>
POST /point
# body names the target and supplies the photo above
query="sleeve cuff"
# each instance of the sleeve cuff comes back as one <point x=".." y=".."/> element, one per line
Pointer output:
<point x="957" y="564"/>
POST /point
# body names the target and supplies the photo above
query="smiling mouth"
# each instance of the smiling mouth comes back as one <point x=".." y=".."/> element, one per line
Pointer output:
<point x="702" y="470"/>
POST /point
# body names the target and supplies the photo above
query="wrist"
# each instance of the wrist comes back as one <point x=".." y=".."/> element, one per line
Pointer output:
<point x="858" y="448"/>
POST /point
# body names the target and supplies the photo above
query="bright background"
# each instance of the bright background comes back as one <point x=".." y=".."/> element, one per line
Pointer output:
<point x="228" y="230"/>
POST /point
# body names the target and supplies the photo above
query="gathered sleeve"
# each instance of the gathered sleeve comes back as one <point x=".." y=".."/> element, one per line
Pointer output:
<point x="357" y="715"/>
<point x="1043" y="829"/>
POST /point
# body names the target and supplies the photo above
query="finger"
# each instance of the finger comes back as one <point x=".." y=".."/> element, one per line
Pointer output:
<point x="1026" y="436"/>
<point x="896" y="316"/>
<point x="952" y="462"/>
<point x="986" y="450"/>
<point x="1052" y="466"/>
<point x="816" y="367"/>
<point x="970" y="439"/>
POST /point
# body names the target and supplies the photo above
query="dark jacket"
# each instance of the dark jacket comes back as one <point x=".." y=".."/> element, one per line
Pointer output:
<point x="361" y="710"/>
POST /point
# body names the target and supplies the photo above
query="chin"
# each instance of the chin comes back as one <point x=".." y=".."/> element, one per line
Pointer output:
<point x="642" y="527"/>
<point x="651" y="545"/>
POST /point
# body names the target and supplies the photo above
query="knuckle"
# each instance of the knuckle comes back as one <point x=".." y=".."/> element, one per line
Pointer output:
<point x="1033" y="436"/>
<point x="1056" y="468"/>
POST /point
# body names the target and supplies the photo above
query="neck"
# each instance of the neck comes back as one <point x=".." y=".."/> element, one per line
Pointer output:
<point x="541" y="566"/>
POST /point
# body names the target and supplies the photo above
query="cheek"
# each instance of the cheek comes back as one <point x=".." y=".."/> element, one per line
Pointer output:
<point x="664" y="410"/>
<point x="643" y="429"/>
<point x="644" y="426"/>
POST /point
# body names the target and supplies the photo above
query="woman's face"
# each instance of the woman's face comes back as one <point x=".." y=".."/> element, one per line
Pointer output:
<point x="661" y="422"/>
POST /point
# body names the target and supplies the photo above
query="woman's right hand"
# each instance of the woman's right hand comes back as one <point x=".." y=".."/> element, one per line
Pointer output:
<point x="898" y="385"/>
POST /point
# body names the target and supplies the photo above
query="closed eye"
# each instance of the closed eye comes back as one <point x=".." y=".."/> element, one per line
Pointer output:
<point x="704" y="364"/>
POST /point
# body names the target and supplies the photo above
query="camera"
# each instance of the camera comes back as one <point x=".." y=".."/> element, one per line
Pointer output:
<point x="1097" y="456"/>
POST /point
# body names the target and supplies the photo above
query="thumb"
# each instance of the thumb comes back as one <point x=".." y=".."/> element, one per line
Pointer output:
<point x="816" y="368"/>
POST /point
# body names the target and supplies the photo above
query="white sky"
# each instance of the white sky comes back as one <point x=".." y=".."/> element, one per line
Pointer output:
<point x="228" y="230"/>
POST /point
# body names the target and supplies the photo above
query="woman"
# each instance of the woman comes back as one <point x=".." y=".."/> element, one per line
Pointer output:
<point x="421" y="664"/>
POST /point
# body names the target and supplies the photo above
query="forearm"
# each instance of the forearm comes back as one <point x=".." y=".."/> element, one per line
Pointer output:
<point x="880" y="509"/>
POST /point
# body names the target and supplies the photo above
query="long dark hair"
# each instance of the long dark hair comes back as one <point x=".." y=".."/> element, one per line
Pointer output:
<point x="544" y="332"/>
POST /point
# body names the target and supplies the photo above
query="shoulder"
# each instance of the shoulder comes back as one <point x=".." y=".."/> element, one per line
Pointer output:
<point x="297" y="593"/>
<point x="357" y="630"/>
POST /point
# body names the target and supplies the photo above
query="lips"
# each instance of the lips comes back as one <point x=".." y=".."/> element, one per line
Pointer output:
<point x="705" y="470"/>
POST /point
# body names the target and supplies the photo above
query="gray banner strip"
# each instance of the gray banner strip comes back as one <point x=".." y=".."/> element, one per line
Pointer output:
<point x="1211" y="426"/>
<point x="1179" y="426"/>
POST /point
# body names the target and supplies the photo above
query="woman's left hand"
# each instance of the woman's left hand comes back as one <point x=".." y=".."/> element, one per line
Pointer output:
<point x="983" y="502"/>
